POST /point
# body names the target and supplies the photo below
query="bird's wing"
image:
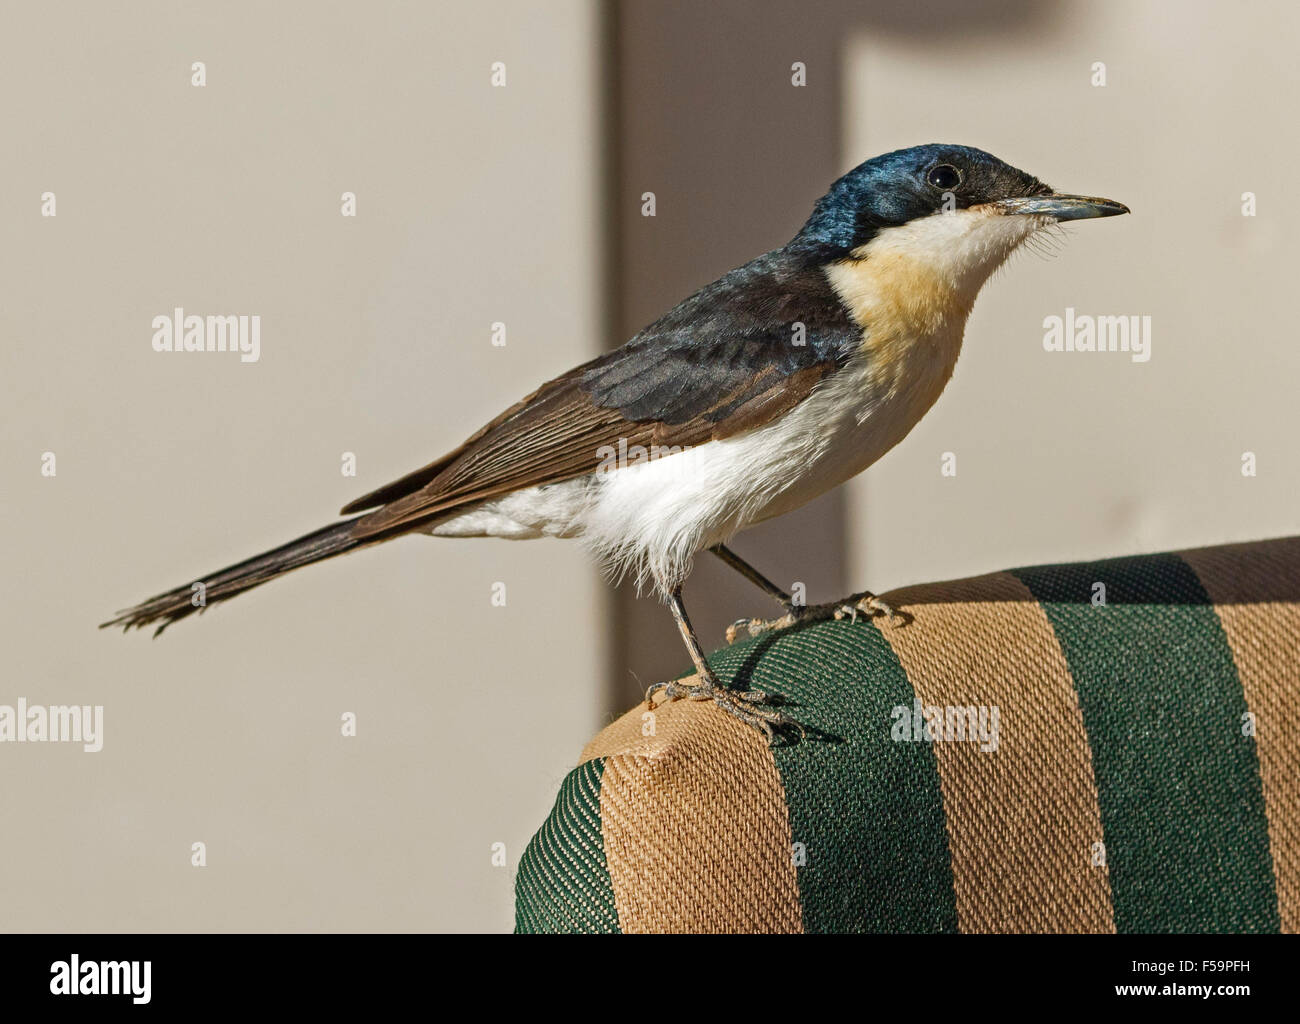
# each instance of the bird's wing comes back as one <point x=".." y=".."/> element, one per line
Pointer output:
<point x="732" y="357"/>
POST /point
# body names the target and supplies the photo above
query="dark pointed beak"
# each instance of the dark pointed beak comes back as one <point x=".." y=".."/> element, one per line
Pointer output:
<point x="1061" y="207"/>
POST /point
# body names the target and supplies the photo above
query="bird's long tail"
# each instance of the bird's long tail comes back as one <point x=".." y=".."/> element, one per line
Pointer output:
<point x="192" y="597"/>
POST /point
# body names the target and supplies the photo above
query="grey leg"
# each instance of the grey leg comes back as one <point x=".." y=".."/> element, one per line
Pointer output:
<point x="753" y="575"/>
<point x="740" y="704"/>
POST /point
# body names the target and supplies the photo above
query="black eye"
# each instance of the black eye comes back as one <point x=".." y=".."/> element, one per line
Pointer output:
<point x="944" y="176"/>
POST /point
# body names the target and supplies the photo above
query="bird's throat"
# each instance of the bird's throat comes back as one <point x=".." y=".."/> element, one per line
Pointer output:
<point x="911" y="288"/>
<point x="923" y="275"/>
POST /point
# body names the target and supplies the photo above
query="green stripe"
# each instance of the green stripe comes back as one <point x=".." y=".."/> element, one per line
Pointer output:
<point x="1182" y="805"/>
<point x="563" y="883"/>
<point x="867" y="810"/>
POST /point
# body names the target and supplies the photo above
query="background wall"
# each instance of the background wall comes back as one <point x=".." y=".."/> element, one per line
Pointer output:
<point x="474" y="205"/>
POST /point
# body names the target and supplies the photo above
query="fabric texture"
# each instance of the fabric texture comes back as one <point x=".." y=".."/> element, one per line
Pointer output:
<point x="563" y="884"/>
<point x="1093" y="747"/>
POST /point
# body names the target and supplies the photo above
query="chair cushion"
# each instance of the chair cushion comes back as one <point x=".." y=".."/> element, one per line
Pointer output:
<point x="1088" y="747"/>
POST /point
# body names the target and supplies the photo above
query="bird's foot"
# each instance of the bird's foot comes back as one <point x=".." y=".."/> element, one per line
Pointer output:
<point x="757" y="627"/>
<point x="741" y="704"/>
<point x="865" y="603"/>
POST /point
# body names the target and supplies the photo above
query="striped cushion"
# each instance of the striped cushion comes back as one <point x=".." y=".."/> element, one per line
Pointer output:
<point x="1146" y="776"/>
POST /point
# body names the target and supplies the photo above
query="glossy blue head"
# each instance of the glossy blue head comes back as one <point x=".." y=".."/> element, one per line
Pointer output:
<point x="899" y="187"/>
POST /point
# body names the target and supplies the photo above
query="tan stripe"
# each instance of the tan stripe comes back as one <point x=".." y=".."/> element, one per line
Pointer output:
<point x="696" y="829"/>
<point x="1023" y="819"/>
<point x="1256" y="593"/>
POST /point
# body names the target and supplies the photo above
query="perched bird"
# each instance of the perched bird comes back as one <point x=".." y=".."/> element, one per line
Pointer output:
<point x="768" y="387"/>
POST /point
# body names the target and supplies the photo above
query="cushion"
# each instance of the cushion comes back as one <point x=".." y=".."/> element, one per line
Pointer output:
<point x="1091" y="747"/>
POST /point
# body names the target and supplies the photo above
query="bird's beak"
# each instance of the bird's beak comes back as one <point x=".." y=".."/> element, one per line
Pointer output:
<point x="1060" y="207"/>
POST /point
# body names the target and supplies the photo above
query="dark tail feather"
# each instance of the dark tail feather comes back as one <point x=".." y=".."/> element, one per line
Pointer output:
<point x="221" y="586"/>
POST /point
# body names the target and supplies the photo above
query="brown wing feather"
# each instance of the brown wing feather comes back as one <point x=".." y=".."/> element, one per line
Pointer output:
<point x="557" y="435"/>
<point x="417" y="479"/>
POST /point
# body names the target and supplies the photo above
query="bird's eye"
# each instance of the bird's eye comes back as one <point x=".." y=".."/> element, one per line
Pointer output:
<point x="944" y="176"/>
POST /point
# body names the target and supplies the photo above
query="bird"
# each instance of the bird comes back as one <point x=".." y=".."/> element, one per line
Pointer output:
<point x="779" y="381"/>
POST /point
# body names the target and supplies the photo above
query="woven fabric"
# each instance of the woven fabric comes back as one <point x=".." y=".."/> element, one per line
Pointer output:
<point x="1255" y="589"/>
<point x="693" y="811"/>
<point x="563" y="884"/>
<point x="1018" y="865"/>
<point x="1178" y="784"/>
<point x="1142" y="774"/>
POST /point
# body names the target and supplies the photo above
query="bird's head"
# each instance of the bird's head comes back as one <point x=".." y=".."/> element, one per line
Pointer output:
<point x="956" y="208"/>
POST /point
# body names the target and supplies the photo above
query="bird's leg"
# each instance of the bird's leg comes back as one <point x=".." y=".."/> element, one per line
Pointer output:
<point x="740" y="704"/>
<point x="865" y="603"/>
<point x="756" y="626"/>
<point x="753" y="575"/>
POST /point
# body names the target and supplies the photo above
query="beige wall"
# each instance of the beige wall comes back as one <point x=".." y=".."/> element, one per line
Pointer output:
<point x="475" y="206"/>
<point x="479" y="205"/>
<point x="1076" y="455"/>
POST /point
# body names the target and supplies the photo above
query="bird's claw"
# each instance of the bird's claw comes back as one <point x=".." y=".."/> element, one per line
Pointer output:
<point x="865" y="603"/>
<point x="740" y="704"/>
<point x="757" y="627"/>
